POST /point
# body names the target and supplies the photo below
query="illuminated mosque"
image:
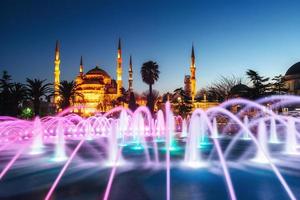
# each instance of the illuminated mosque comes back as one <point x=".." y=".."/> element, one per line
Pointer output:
<point x="96" y="89"/>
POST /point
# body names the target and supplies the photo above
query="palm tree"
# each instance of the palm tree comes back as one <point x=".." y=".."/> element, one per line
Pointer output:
<point x="5" y="99"/>
<point x="18" y="93"/>
<point x="68" y="91"/>
<point x="36" y="90"/>
<point x="150" y="74"/>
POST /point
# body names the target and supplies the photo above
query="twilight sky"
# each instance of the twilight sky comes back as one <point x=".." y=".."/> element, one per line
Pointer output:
<point x="229" y="36"/>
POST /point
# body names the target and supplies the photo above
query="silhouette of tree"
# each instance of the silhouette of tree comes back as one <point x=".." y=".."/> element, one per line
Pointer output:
<point x="68" y="91"/>
<point x="5" y="98"/>
<point x="166" y="97"/>
<point x="278" y="85"/>
<point x="220" y="90"/>
<point x="123" y="98"/>
<point x="150" y="74"/>
<point x="37" y="89"/>
<point x="18" y="94"/>
<point x="182" y="103"/>
<point x="260" y="85"/>
<point x="132" y="102"/>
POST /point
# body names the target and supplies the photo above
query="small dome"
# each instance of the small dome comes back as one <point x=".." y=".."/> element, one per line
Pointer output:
<point x="293" y="70"/>
<point x="98" y="71"/>
<point x="239" y="89"/>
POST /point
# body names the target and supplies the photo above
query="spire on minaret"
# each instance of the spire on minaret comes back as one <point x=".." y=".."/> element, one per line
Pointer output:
<point x="119" y="44"/>
<point x="193" y="74"/>
<point x="81" y="66"/>
<point x="130" y="77"/>
<point x="130" y="63"/>
<point x="119" y="69"/>
<point x="57" y="50"/>
<point x="56" y="74"/>
<point x="193" y="55"/>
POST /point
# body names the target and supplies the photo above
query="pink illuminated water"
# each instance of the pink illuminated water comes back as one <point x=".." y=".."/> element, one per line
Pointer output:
<point x="154" y="135"/>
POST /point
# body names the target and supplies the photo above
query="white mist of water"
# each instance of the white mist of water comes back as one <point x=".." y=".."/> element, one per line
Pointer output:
<point x="246" y="133"/>
<point x="192" y="156"/>
<point x="273" y="132"/>
<point x="122" y="127"/>
<point x="291" y="138"/>
<point x="37" y="145"/>
<point x="215" y="132"/>
<point x="262" y="139"/>
<point x="60" y="153"/>
<point x="184" y="130"/>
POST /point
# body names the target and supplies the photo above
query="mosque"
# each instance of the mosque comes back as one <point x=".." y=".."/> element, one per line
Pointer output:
<point x="97" y="89"/>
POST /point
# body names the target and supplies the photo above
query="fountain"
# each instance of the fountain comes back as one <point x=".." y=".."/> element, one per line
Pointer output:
<point x="246" y="133"/>
<point x="291" y="144"/>
<point x="37" y="145"/>
<point x="60" y="154"/>
<point x="261" y="154"/>
<point x="215" y="132"/>
<point x="273" y="132"/>
<point x="98" y="148"/>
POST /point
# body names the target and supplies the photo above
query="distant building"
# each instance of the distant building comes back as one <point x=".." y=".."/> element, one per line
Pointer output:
<point x="98" y="91"/>
<point x="187" y="84"/>
<point x="292" y="79"/>
<point x="190" y="86"/>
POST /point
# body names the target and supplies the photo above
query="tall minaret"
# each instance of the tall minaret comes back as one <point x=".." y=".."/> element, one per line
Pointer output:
<point x="193" y="75"/>
<point x="81" y="67"/>
<point x="56" y="74"/>
<point x="119" y="69"/>
<point x="130" y="78"/>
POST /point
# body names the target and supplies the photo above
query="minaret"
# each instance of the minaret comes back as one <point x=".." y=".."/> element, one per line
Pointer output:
<point x="193" y="75"/>
<point x="56" y="74"/>
<point x="119" y="69"/>
<point x="130" y="78"/>
<point x="81" y="67"/>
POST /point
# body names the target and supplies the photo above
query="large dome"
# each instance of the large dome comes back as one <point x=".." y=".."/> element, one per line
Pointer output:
<point x="293" y="70"/>
<point x="98" y="71"/>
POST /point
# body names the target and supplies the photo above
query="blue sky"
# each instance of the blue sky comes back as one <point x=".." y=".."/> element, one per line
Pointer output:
<point x="229" y="37"/>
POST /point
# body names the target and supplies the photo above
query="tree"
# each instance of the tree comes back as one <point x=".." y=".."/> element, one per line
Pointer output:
<point x="18" y="93"/>
<point x="36" y="90"/>
<point x="278" y="85"/>
<point x="68" y="91"/>
<point x="5" y="98"/>
<point x="150" y="74"/>
<point x="154" y="96"/>
<point x="182" y="103"/>
<point x="220" y="90"/>
<point x="260" y="85"/>
<point x="123" y="97"/>
<point x="166" y="97"/>
<point x="132" y="102"/>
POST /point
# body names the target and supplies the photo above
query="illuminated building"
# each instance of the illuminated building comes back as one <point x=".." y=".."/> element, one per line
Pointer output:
<point x="119" y="69"/>
<point x="130" y="78"/>
<point x="292" y="79"/>
<point x="97" y="90"/>
<point x="56" y="74"/>
<point x="187" y="85"/>
<point x="190" y="87"/>
<point x="193" y="75"/>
